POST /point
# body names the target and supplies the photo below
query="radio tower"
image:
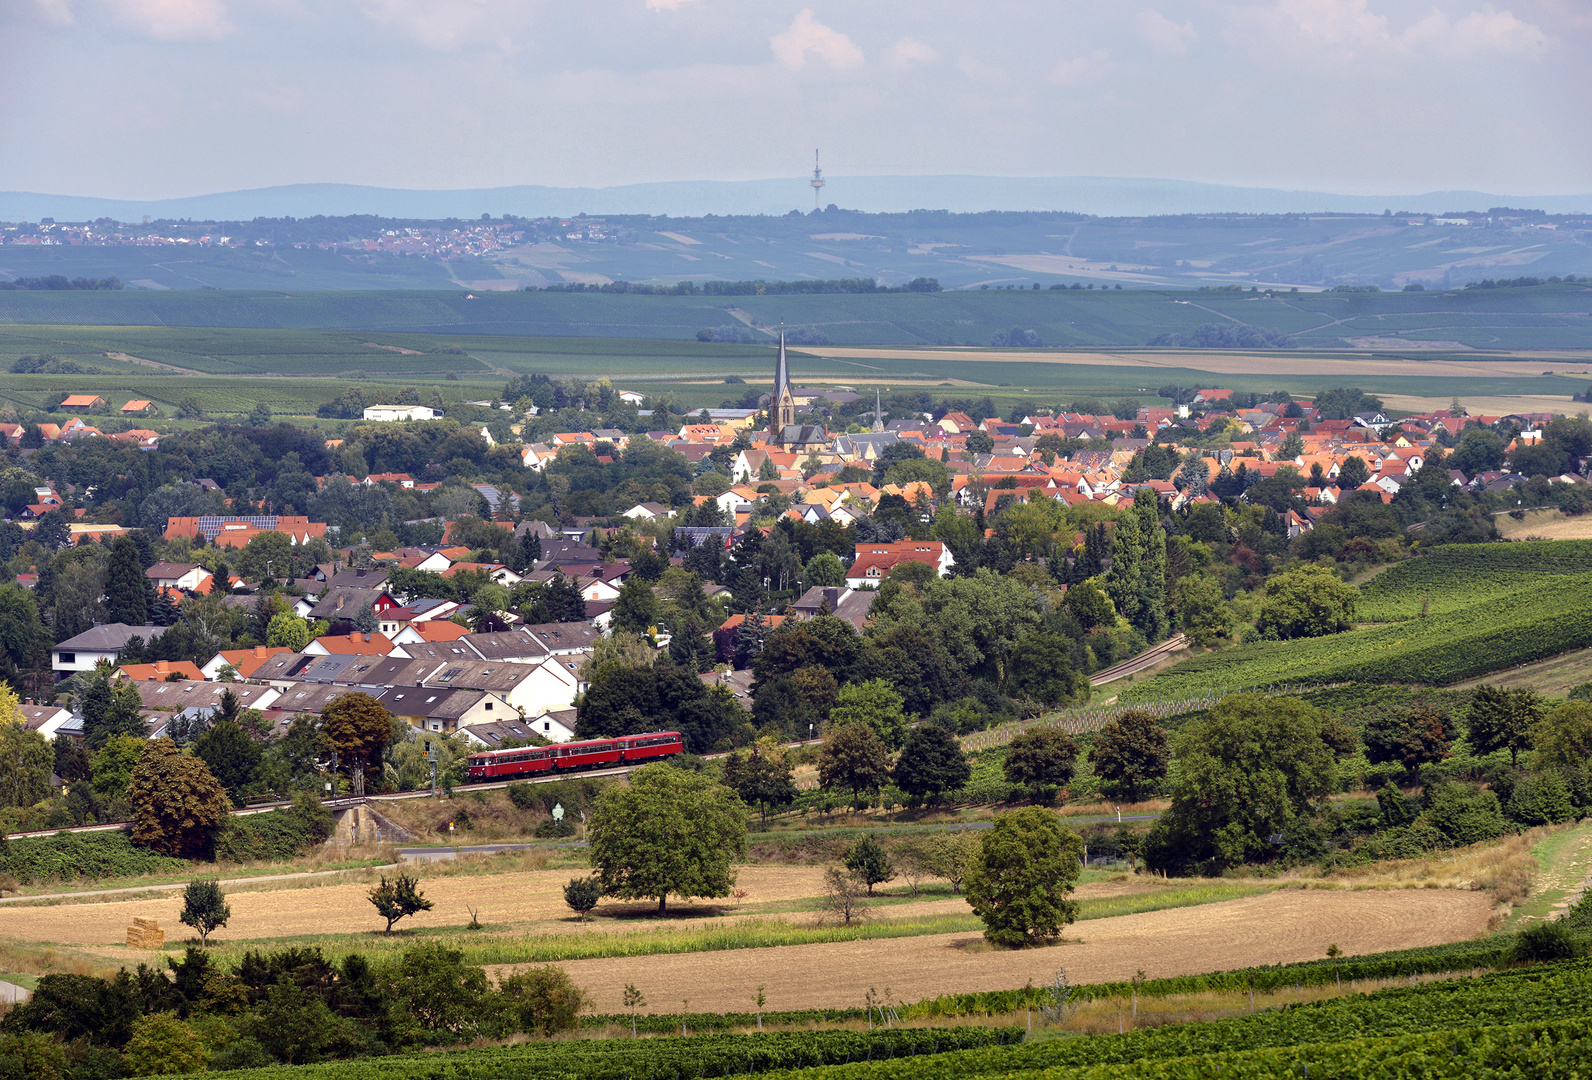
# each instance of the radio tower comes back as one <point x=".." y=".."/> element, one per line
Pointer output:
<point x="818" y="179"/>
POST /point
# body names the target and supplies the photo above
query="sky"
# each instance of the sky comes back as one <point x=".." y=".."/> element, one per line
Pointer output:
<point x="143" y="99"/>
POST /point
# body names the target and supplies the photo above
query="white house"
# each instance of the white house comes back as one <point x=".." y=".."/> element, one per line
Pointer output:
<point x="401" y="412"/>
<point x="184" y="576"/>
<point x="649" y="511"/>
<point x="536" y="456"/>
<point x="102" y="641"/>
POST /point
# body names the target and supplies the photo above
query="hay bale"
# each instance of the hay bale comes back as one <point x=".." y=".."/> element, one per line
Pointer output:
<point x="145" y="934"/>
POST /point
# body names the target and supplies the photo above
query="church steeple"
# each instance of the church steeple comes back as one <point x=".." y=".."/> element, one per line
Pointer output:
<point x="878" y="412"/>
<point x="781" y="403"/>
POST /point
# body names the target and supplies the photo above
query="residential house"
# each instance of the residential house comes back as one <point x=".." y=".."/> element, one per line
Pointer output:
<point x="439" y="709"/>
<point x="83" y="401"/>
<point x="355" y="644"/>
<point x="874" y="561"/>
<point x="188" y="577"/>
<point x="102" y="642"/>
<point x="139" y="407"/>
<point x="848" y="604"/>
<point x="161" y="671"/>
<point x="244" y="662"/>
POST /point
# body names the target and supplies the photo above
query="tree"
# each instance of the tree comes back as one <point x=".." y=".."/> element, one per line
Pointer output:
<point x="1041" y="669"/>
<point x="670" y="831"/>
<point x="1021" y="880"/>
<point x="1480" y="450"/>
<point x="870" y="862"/>
<point x="1353" y="472"/>
<point x="842" y="896"/>
<point x="268" y="555"/>
<point x="824" y="569"/>
<point x="1308" y="601"/>
<point x="1503" y="720"/>
<point x="1041" y="758"/>
<point x="1202" y="610"/>
<point x="1563" y="738"/>
<point x="398" y="899"/>
<point x="1412" y="737"/>
<point x="931" y="764"/>
<point x="951" y="856"/>
<point x="636" y="608"/>
<point x="1247" y="770"/>
<point x="113" y="766"/>
<point x="233" y="757"/>
<point x="544" y="999"/>
<point x="25" y="764"/>
<point x="357" y="727"/>
<point x="761" y="776"/>
<point x="126" y="587"/>
<point x="1130" y="752"/>
<point x="1089" y="605"/>
<point x="204" y="908"/>
<point x="287" y="631"/>
<point x="582" y="894"/>
<point x="163" y="1045"/>
<point x="71" y="763"/>
<point x="853" y="757"/>
<point x="875" y="705"/>
<point x="177" y="803"/>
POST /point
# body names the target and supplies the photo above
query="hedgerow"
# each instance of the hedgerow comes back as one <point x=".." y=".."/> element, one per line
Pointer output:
<point x="82" y="857"/>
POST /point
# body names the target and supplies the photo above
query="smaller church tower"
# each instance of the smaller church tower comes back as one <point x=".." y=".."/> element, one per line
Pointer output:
<point x="878" y="413"/>
<point x="781" y="403"/>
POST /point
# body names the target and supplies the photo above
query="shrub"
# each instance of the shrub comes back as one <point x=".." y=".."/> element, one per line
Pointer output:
<point x="1546" y="941"/>
<point x="543" y="999"/>
<point x="582" y="894"/>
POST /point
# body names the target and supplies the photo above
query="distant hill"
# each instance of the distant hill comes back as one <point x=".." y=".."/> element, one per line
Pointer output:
<point x="1106" y="196"/>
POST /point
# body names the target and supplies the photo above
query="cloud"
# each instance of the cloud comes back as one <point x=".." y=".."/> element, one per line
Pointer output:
<point x="164" y="20"/>
<point x="806" y="35"/>
<point x="909" y="51"/>
<point x="1165" y="37"/>
<point x="1348" y="28"/>
<point x="1480" y="31"/>
<point x="58" y="12"/>
<point x="444" y="25"/>
<point x="667" y="5"/>
<point x="1082" y="70"/>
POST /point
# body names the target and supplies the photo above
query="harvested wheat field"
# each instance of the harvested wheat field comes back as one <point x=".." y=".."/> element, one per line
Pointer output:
<point x="1279" y="927"/>
<point x="514" y="899"/>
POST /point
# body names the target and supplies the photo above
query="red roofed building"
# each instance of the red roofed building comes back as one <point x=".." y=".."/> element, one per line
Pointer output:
<point x="875" y="561"/>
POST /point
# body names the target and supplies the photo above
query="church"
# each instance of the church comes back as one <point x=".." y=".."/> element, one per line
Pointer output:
<point x="783" y="430"/>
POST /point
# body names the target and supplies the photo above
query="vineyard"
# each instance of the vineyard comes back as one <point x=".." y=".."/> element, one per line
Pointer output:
<point x="1503" y="631"/>
<point x="1458" y="576"/>
<point x="695" y="1057"/>
<point x="1521" y="1022"/>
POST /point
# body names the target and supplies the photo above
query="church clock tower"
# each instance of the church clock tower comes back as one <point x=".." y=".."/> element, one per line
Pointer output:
<point x="781" y="403"/>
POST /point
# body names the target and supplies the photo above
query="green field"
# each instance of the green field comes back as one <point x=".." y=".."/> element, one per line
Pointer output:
<point x="1500" y="631"/>
<point x="1544" y="317"/>
<point x="1454" y="577"/>
<point x="308" y="366"/>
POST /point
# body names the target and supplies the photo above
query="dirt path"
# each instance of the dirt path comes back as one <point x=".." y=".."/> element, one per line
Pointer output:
<point x="128" y="358"/>
<point x="1279" y="927"/>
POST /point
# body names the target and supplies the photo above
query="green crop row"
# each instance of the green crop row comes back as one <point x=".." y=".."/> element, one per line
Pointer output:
<point x="1548" y="994"/>
<point x="1504" y="631"/>
<point x="1457" y="576"/>
<point x="1516" y="1050"/>
<point x="691" y="1057"/>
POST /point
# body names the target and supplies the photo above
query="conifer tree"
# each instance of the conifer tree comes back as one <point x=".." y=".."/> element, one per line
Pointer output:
<point x="126" y="588"/>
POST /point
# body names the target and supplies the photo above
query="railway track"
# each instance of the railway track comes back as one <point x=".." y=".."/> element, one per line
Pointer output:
<point x="1143" y="662"/>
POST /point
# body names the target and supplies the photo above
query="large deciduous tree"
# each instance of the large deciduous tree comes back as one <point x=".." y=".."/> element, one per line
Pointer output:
<point x="1130" y="753"/>
<point x="1413" y="737"/>
<point x="1308" y="601"/>
<point x="1247" y="770"/>
<point x="1022" y="877"/>
<point x="177" y="803"/>
<point x="669" y="831"/>
<point x="931" y="764"/>
<point x="1041" y="758"/>
<point x="761" y="776"/>
<point x="1503" y="719"/>
<point x="853" y="758"/>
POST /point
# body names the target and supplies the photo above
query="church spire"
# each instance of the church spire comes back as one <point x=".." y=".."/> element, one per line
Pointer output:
<point x="782" y="402"/>
<point x="878" y="412"/>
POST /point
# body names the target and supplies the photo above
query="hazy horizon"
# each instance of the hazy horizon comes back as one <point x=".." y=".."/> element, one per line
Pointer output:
<point x="141" y="100"/>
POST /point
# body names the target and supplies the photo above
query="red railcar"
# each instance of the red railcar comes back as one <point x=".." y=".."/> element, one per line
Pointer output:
<point x="566" y="757"/>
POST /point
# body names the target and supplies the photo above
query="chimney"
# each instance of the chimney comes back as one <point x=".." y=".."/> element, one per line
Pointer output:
<point x="359" y="573"/>
<point x="162" y="666"/>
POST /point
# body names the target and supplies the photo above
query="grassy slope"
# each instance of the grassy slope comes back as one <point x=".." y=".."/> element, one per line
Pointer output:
<point x="1463" y="575"/>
